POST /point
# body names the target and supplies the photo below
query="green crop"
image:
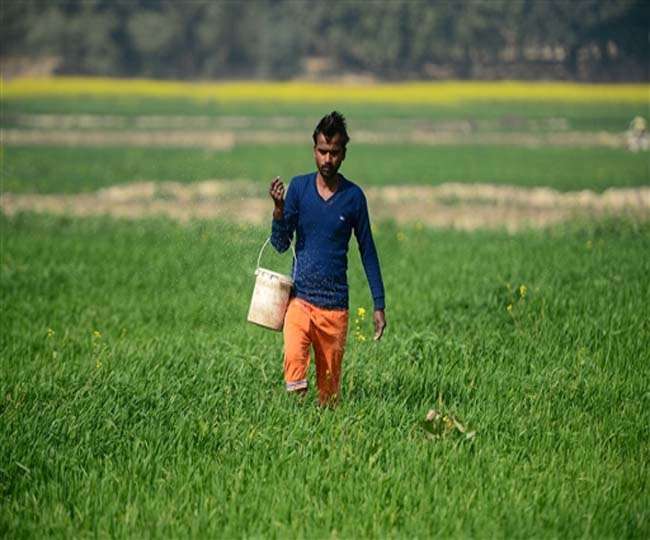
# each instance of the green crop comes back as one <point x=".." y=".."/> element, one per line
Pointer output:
<point x="611" y="117"/>
<point x="136" y="401"/>
<point x="71" y="170"/>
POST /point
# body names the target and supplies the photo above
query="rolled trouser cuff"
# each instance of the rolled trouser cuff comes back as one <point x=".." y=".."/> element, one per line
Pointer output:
<point x="296" y="385"/>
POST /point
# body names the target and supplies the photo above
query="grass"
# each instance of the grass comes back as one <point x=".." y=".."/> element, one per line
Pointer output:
<point x="520" y="116"/>
<point x="69" y="170"/>
<point x="135" y="401"/>
<point x="138" y="402"/>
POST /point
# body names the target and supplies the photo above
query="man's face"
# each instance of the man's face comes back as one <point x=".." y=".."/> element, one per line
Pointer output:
<point x="329" y="154"/>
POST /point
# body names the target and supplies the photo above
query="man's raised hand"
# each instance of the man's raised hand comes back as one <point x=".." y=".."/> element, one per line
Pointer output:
<point x="276" y="191"/>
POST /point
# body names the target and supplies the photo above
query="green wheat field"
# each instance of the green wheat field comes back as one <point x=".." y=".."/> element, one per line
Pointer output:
<point x="135" y="400"/>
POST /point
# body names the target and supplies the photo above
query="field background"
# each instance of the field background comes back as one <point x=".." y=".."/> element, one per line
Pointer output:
<point x="135" y="400"/>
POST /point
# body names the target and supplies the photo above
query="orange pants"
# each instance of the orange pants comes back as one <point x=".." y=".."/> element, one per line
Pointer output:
<point x="325" y="329"/>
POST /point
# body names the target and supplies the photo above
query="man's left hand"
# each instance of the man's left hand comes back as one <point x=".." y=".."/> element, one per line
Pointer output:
<point x="380" y="323"/>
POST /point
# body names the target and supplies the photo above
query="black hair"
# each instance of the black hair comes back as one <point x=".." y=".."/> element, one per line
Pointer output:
<point x="330" y="125"/>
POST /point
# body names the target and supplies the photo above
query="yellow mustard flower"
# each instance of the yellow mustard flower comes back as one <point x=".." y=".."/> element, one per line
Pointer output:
<point x="443" y="92"/>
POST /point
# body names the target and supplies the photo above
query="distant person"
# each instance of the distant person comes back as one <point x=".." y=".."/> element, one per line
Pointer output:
<point x="323" y="208"/>
<point x="637" y="134"/>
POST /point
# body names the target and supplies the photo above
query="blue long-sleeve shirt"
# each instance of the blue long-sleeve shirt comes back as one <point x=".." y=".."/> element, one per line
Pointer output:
<point x="323" y="230"/>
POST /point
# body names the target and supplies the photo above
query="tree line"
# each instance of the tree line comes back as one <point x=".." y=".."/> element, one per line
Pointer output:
<point x="591" y="40"/>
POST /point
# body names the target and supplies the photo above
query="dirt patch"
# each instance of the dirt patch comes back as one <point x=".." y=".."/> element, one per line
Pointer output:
<point x="533" y="140"/>
<point x="459" y="206"/>
<point x="160" y="122"/>
<point x="476" y="206"/>
<point x="212" y="140"/>
<point x="226" y="139"/>
<point x="239" y="122"/>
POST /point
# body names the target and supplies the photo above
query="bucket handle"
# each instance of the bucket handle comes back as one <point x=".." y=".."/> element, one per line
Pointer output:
<point x="259" y="257"/>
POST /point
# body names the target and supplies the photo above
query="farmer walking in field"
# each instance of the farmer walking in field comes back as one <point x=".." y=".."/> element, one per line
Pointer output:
<point x="323" y="208"/>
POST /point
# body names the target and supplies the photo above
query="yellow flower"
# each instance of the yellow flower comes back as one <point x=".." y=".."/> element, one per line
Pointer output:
<point x="433" y="93"/>
<point x="522" y="290"/>
<point x="358" y="334"/>
<point x="97" y="334"/>
<point x="509" y="308"/>
<point x="50" y="332"/>
<point x="361" y="313"/>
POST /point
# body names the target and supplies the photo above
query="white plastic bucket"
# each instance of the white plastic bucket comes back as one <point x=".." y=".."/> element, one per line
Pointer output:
<point x="270" y="296"/>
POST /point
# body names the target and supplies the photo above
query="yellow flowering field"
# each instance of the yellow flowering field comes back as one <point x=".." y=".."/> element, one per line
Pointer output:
<point x="432" y="93"/>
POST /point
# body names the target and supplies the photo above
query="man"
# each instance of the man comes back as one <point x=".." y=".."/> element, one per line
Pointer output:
<point x="323" y="208"/>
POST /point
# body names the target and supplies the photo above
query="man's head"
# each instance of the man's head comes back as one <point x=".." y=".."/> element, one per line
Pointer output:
<point x="330" y="138"/>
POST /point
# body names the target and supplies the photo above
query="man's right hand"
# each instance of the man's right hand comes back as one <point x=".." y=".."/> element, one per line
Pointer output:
<point x="277" y="191"/>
